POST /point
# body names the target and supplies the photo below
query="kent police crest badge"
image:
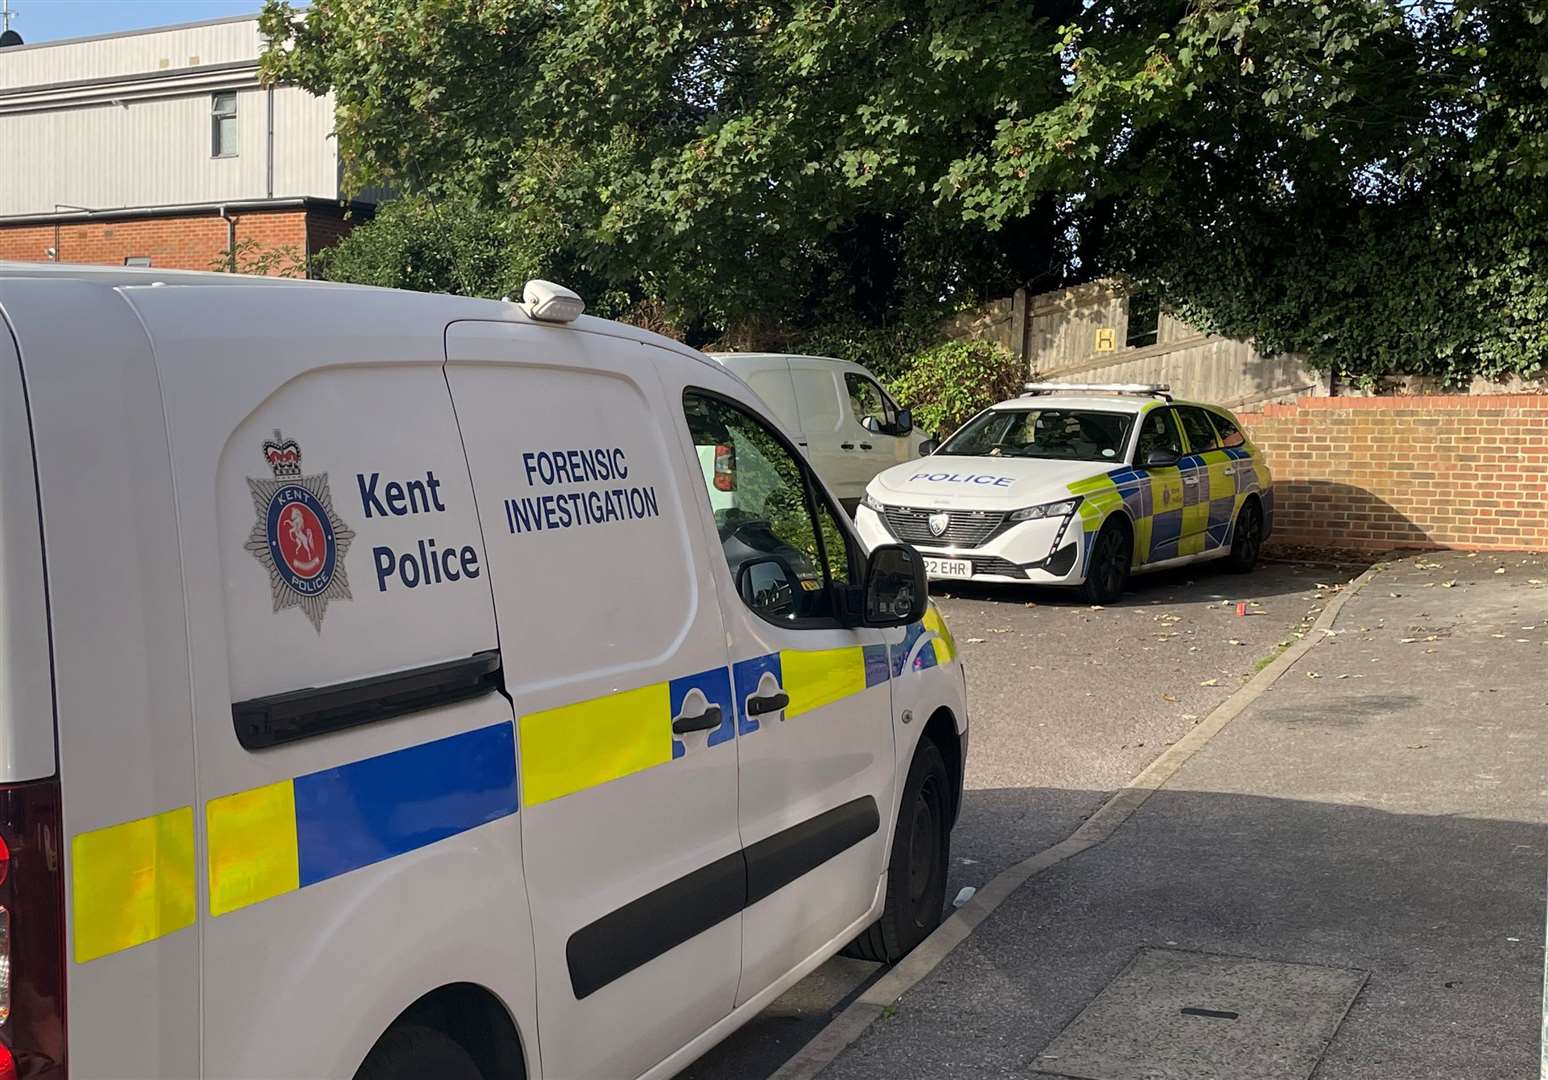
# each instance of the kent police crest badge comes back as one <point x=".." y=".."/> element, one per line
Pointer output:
<point x="298" y="537"/>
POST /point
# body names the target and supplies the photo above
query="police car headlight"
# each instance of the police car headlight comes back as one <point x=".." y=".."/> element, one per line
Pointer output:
<point x="871" y="502"/>
<point x="1062" y="508"/>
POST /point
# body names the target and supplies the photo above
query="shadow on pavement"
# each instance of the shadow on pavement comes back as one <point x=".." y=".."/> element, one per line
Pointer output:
<point x="1445" y="911"/>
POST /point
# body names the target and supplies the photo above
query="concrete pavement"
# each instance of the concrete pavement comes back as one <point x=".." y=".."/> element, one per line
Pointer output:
<point x="1377" y="816"/>
<point x="1068" y="702"/>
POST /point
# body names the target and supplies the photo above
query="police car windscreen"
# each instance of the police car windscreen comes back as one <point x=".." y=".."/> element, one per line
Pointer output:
<point x="1064" y="434"/>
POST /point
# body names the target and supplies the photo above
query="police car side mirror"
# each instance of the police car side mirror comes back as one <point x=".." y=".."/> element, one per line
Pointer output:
<point x="928" y="447"/>
<point x="896" y="592"/>
<point x="904" y="422"/>
<point x="1161" y="459"/>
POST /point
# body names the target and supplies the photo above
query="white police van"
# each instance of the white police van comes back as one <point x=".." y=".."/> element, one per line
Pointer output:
<point x="381" y="695"/>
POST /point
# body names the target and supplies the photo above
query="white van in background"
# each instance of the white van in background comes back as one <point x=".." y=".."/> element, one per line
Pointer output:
<point x="840" y="416"/>
<point x="382" y="693"/>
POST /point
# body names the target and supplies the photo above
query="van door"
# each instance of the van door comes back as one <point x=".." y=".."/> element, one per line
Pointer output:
<point x="873" y="420"/>
<point x="358" y="837"/>
<point x="617" y="665"/>
<point x="813" y="699"/>
<point x="830" y="444"/>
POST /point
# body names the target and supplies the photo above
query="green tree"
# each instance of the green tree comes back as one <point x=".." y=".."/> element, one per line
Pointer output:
<point x="1358" y="179"/>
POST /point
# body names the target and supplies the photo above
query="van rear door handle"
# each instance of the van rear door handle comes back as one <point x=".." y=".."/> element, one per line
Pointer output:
<point x="708" y="720"/>
<point x="847" y="445"/>
<point x="767" y="703"/>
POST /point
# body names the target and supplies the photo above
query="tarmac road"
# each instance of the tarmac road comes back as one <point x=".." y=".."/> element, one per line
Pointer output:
<point x="1067" y="702"/>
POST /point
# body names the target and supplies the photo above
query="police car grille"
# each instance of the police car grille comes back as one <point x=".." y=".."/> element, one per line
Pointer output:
<point x="988" y="564"/>
<point x="965" y="528"/>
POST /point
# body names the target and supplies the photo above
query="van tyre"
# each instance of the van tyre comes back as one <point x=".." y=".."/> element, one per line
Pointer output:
<point x="415" y="1052"/>
<point x="916" y="873"/>
<point x="1112" y="556"/>
<point x="1246" y="538"/>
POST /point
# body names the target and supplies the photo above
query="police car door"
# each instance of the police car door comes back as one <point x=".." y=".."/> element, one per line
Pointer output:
<point x="814" y="708"/>
<point x="616" y="661"/>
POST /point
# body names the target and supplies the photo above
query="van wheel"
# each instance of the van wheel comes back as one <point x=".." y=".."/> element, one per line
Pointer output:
<point x="415" y="1052"/>
<point x="1246" y="538"/>
<point x="916" y="873"/>
<point x="1112" y="555"/>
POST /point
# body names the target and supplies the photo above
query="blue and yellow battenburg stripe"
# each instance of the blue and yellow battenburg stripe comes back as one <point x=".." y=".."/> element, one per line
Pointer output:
<point x="137" y="881"/>
<point x="1172" y="518"/>
<point x="281" y="837"/>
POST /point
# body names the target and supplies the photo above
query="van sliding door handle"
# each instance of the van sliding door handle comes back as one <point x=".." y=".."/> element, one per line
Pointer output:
<point x="708" y="720"/>
<point x="767" y="703"/>
<point x="846" y="446"/>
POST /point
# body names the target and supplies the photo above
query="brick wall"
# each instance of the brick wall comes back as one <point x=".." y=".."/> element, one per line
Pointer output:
<point x="1408" y="472"/>
<point x="177" y="242"/>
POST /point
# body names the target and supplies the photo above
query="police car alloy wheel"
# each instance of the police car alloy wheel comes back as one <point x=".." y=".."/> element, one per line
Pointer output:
<point x="1247" y="542"/>
<point x="1111" y="556"/>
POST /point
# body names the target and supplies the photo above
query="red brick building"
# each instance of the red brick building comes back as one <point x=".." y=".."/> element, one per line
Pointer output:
<point x="162" y="148"/>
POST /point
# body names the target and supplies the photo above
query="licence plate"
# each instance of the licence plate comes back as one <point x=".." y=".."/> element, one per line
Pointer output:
<point x="948" y="567"/>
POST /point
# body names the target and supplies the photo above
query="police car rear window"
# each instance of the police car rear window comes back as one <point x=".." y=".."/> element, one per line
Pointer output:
<point x="1059" y="434"/>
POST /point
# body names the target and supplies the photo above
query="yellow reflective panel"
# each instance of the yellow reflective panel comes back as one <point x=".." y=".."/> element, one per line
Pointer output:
<point x="945" y="644"/>
<point x="820" y="677"/>
<point x="578" y="746"/>
<point x="252" y="842"/>
<point x="132" y="883"/>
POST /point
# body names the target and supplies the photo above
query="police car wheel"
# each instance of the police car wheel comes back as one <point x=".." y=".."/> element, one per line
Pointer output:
<point x="916" y="874"/>
<point x="415" y="1052"/>
<point x="1246" y="539"/>
<point x="1111" y="557"/>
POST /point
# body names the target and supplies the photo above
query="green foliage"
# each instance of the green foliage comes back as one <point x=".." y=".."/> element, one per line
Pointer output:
<point x="251" y="257"/>
<point x="1361" y="180"/>
<point x="949" y="384"/>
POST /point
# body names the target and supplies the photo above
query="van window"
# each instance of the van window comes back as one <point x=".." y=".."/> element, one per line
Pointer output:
<point x="867" y="399"/>
<point x="782" y="561"/>
<point x="817" y="398"/>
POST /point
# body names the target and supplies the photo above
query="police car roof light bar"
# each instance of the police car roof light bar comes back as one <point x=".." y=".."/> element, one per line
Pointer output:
<point x="1160" y="390"/>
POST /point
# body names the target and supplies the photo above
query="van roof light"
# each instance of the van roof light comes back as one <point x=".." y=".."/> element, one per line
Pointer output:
<point x="547" y="302"/>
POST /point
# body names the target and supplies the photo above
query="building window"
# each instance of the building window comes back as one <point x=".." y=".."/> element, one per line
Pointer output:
<point x="1144" y="320"/>
<point x="223" y="125"/>
<point x="137" y="260"/>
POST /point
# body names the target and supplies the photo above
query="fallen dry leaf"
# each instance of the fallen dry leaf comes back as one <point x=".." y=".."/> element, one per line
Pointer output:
<point x="1210" y="682"/>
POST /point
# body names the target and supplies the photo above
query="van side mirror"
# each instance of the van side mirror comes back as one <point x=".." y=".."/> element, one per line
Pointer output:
<point x="904" y="422"/>
<point x="768" y="585"/>
<point x="928" y="447"/>
<point x="871" y="424"/>
<point x="1161" y="459"/>
<point x="896" y="590"/>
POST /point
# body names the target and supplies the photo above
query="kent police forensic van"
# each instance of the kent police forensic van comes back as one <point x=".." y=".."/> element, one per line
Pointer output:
<point x="1079" y="484"/>
<point x="385" y="695"/>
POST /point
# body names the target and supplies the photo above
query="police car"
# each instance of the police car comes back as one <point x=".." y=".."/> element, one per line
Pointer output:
<point x="1074" y="484"/>
<point x="387" y="690"/>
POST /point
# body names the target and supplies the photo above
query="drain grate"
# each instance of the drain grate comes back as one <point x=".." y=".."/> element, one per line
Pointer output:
<point x="1175" y="1015"/>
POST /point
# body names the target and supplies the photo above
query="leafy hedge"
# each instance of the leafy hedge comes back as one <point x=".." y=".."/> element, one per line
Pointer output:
<point x="948" y="384"/>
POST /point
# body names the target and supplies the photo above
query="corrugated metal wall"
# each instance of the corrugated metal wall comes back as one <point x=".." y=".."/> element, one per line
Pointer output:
<point x="143" y="143"/>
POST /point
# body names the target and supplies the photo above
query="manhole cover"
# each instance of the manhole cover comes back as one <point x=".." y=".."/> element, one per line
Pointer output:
<point x="1175" y="1015"/>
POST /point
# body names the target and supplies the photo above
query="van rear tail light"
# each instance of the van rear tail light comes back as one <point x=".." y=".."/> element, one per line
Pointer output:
<point x="725" y="468"/>
<point x="32" y="952"/>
